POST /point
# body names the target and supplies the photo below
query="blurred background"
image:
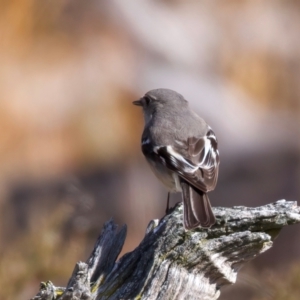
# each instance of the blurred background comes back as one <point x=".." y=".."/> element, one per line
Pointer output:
<point x="70" y="154"/>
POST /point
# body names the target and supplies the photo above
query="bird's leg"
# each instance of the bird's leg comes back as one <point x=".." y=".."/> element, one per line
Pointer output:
<point x="168" y="203"/>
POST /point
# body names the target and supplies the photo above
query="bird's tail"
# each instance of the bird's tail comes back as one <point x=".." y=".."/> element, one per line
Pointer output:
<point x="196" y="208"/>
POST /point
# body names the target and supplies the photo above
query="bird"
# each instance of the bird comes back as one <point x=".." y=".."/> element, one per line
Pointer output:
<point x="182" y="151"/>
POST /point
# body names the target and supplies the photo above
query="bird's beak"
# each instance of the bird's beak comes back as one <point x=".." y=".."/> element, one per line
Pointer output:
<point x="138" y="102"/>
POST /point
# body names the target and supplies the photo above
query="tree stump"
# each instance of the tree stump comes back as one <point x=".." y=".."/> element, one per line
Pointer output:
<point x="172" y="263"/>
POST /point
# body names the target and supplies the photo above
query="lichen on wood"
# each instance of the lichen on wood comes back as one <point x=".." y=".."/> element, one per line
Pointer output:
<point x="172" y="263"/>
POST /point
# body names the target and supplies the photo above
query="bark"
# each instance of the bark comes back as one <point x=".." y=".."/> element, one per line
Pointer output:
<point x="172" y="263"/>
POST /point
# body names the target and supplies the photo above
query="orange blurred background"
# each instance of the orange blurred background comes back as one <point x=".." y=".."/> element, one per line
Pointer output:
<point x="70" y="154"/>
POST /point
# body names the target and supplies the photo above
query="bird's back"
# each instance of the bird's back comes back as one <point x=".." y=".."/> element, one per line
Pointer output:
<point x="169" y="126"/>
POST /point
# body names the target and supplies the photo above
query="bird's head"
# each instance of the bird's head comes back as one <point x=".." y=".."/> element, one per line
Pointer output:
<point x="160" y="100"/>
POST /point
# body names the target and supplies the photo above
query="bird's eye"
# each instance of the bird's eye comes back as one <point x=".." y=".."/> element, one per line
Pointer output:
<point x="147" y="100"/>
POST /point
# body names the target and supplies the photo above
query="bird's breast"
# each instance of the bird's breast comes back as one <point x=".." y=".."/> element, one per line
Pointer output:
<point x="168" y="178"/>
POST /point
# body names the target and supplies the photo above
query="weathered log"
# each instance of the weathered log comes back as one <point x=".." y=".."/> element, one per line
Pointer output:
<point x="172" y="263"/>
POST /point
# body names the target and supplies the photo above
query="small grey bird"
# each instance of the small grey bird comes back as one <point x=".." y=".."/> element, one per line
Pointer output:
<point x="182" y="152"/>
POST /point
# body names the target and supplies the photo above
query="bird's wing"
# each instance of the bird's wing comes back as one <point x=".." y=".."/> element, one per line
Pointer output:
<point x="196" y="160"/>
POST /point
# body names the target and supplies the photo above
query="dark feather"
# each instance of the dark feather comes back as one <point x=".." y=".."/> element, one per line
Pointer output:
<point x="196" y="208"/>
<point x="199" y="166"/>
